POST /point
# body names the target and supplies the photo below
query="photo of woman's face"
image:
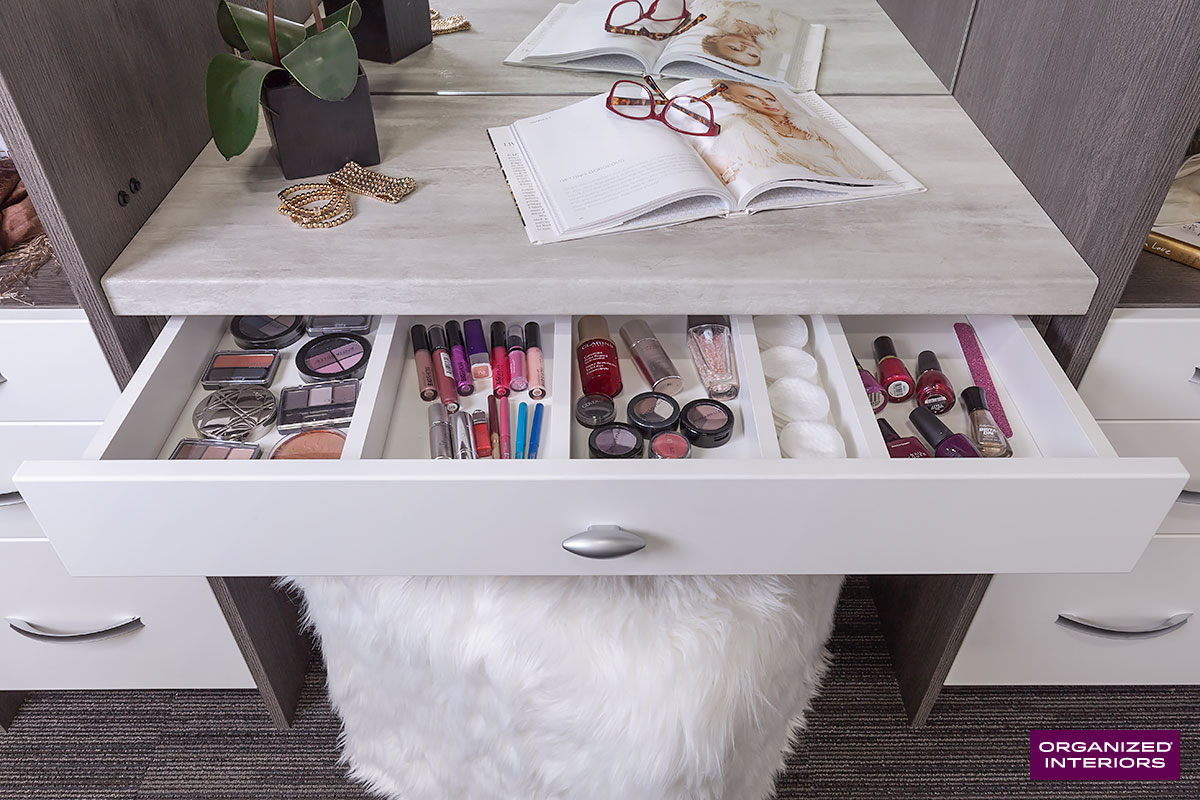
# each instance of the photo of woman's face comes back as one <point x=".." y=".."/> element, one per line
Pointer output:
<point x="739" y="49"/>
<point x="754" y="98"/>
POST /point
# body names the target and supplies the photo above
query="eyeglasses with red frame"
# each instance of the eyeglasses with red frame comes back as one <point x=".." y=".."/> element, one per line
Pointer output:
<point x="627" y="13"/>
<point x="683" y="113"/>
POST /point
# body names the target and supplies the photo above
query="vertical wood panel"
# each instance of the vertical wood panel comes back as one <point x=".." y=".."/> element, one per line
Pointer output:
<point x="937" y="29"/>
<point x="10" y="703"/>
<point x="1091" y="102"/>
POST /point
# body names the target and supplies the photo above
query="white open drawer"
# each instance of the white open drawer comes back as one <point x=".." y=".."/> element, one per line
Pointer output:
<point x="385" y="508"/>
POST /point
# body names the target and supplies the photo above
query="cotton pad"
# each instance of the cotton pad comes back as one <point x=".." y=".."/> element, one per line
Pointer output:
<point x="782" y="361"/>
<point x="812" y="439"/>
<point x="795" y="399"/>
<point x="787" y="330"/>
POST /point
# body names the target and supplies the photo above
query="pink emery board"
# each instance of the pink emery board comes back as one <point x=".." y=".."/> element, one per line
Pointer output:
<point x="980" y="374"/>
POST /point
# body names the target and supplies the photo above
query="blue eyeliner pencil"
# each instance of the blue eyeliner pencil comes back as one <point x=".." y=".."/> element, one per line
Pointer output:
<point x="535" y="431"/>
<point x="522" y="414"/>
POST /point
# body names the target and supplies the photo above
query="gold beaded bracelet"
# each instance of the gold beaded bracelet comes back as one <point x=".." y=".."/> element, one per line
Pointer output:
<point x="360" y="180"/>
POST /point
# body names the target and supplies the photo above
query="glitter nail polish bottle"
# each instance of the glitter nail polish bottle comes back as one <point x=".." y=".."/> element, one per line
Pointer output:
<point x="711" y="344"/>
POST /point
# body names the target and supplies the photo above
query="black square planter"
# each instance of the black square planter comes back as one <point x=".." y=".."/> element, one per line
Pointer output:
<point x="311" y="136"/>
<point x="389" y="29"/>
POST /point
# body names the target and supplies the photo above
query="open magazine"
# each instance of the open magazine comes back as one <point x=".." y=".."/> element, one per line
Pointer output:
<point x="583" y="170"/>
<point x="738" y="39"/>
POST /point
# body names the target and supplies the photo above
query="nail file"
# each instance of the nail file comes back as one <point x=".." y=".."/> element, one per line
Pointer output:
<point x="980" y="374"/>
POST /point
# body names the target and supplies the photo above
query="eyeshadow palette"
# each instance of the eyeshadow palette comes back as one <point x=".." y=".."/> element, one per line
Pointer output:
<point x="244" y="413"/>
<point x="317" y="405"/>
<point x="214" y="450"/>
<point x="337" y="356"/>
<point x="266" y="333"/>
<point x="345" y="323"/>
<point x="240" y="368"/>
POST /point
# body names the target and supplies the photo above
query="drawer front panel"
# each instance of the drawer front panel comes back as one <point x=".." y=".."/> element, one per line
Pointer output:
<point x="1177" y="438"/>
<point x="53" y="367"/>
<point x="1015" y="639"/>
<point x="1066" y="503"/>
<point x="22" y="441"/>
<point x="1144" y="366"/>
<point x="184" y="641"/>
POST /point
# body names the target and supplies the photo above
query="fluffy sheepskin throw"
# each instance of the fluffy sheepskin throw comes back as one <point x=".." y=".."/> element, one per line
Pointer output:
<point x="593" y="688"/>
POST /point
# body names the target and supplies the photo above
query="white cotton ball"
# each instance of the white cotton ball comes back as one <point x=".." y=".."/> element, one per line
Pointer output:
<point x="782" y="361"/>
<point x="810" y="439"/>
<point x="795" y="399"/>
<point x="787" y="330"/>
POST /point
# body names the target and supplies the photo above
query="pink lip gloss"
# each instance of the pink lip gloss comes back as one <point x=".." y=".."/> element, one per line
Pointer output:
<point x="516" y="359"/>
<point x="425" y="373"/>
<point x="443" y="371"/>
<point x="535" y="363"/>
<point x="458" y="359"/>
<point x="499" y="360"/>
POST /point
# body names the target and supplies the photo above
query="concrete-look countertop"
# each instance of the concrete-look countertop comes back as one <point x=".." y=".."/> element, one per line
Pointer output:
<point x="865" y="53"/>
<point x="975" y="242"/>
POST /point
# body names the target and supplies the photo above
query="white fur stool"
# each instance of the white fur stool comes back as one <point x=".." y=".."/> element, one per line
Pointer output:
<point x="624" y="688"/>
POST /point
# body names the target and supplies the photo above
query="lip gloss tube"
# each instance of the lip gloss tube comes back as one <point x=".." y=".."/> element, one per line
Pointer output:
<point x="479" y="429"/>
<point x="505" y="434"/>
<point x="535" y="363"/>
<point x="458" y="359"/>
<point x="516" y="359"/>
<point x="499" y="360"/>
<point x="477" y="350"/>
<point x="425" y="375"/>
<point x="443" y="371"/>
<point x="494" y="425"/>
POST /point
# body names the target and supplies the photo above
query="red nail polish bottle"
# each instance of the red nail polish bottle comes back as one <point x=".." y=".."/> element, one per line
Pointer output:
<point x="933" y="387"/>
<point x="909" y="447"/>
<point x="892" y="373"/>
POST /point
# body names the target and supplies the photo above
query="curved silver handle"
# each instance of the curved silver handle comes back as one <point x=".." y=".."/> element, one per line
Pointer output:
<point x="1109" y="631"/>
<point x="26" y="628"/>
<point x="11" y="499"/>
<point x="604" y="541"/>
<point x="1190" y="497"/>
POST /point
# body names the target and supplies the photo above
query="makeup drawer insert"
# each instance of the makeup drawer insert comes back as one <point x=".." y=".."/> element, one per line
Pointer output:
<point x="1065" y="503"/>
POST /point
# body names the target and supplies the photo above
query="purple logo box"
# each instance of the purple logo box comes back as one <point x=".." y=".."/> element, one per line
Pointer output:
<point x="1079" y="755"/>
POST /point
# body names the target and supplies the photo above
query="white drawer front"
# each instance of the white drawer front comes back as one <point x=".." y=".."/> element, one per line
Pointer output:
<point x="1015" y="639"/>
<point x="53" y="367"/>
<point x="22" y="441"/>
<point x="1065" y="503"/>
<point x="184" y="641"/>
<point x="1177" y="438"/>
<point x="1144" y="366"/>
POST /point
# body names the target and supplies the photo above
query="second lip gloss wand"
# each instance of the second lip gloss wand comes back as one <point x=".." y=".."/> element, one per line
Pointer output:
<point x="500" y="374"/>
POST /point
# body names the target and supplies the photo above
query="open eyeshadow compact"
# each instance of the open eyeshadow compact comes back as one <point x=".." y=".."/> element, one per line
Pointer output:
<point x="333" y="357"/>
<point x="317" y="405"/>
<point x="244" y="413"/>
<point x="706" y="423"/>
<point x="266" y="333"/>
<point x="652" y="412"/>
<point x="319" y="443"/>
<point x="594" y="410"/>
<point x="240" y="368"/>
<point x="214" y="450"/>
<point x="343" y="323"/>
<point x="615" y="440"/>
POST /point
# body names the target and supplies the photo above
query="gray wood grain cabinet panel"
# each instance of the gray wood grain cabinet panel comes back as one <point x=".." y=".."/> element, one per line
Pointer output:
<point x="937" y="29"/>
<point x="1091" y="103"/>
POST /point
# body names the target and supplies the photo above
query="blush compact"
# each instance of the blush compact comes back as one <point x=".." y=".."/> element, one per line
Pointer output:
<point x="317" y="405"/>
<point x="670" y="444"/>
<point x="615" y="440"/>
<point x="266" y="333"/>
<point x="333" y="357"/>
<point x="240" y="368"/>
<point x="706" y="423"/>
<point x="319" y="443"/>
<point x="651" y="412"/>
<point x="240" y="414"/>
<point x="214" y="450"/>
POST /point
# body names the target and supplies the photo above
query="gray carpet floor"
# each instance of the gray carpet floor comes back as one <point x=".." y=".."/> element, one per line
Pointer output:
<point x="219" y="745"/>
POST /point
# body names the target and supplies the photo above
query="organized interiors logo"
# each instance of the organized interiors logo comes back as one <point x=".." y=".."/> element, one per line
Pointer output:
<point x="1112" y="755"/>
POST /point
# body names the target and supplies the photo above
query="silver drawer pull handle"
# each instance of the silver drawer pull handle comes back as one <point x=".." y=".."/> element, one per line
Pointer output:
<point x="604" y="541"/>
<point x="11" y="499"/>
<point x="1195" y="375"/>
<point x="1189" y="497"/>
<point x="26" y="628"/>
<point x="1109" y="631"/>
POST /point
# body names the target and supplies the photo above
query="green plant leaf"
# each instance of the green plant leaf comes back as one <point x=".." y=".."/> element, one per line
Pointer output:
<point x="349" y="14"/>
<point x="252" y="27"/>
<point x="228" y="28"/>
<point x="326" y="64"/>
<point x="232" y="88"/>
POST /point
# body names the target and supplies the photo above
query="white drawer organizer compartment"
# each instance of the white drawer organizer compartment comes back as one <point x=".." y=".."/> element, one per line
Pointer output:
<point x="1067" y="503"/>
<point x="1137" y="628"/>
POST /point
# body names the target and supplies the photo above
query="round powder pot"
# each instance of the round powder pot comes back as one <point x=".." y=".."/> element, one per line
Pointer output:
<point x="241" y="414"/>
<point x="334" y="357"/>
<point x="670" y="444"/>
<point x="706" y="423"/>
<point x="615" y="440"/>
<point x="594" y="410"/>
<point x="320" y="443"/>
<point x="651" y="412"/>
<point x="259" y="332"/>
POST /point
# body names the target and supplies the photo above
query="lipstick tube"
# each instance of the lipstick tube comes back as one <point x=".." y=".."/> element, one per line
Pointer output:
<point x="463" y="379"/>
<point x="505" y="433"/>
<point x="441" y="447"/>
<point x="425" y="376"/>
<point x="535" y="363"/>
<point x="494" y="425"/>
<point x="479" y="429"/>
<point x="477" y="350"/>
<point x="500" y="374"/>
<point x="516" y="359"/>
<point x="464" y="438"/>
<point x="443" y="370"/>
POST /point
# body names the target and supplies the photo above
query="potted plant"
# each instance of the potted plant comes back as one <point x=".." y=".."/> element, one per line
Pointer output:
<point x="307" y="80"/>
<point x="390" y="29"/>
